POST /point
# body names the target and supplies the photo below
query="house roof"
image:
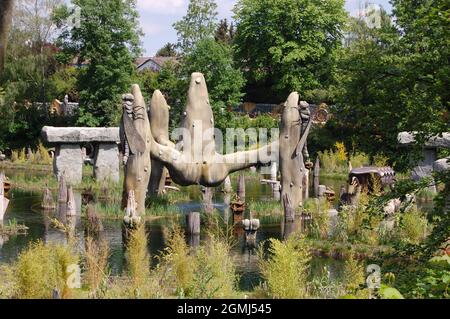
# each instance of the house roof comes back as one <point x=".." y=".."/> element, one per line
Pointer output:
<point x="160" y="60"/>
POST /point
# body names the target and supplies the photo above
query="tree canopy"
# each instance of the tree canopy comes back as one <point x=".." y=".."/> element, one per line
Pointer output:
<point x="107" y="40"/>
<point x="286" y="45"/>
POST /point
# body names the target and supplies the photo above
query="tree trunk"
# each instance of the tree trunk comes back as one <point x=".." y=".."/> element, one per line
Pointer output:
<point x="6" y="8"/>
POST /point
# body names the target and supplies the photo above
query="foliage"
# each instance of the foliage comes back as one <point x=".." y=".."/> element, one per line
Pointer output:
<point x="225" y="32"/>
<point x="168" y="50"/>
<point x="285" y="45"/>
<point x="215" y="272"/>
<point x="42" y="268"/>
<point x="392" y="79"/>
<point x="285" y="271"/>
<point x="107" y="40"/>
<point x="96" y="265"/>
<point x="138" y="259"/>
<point x="198" y="23"/>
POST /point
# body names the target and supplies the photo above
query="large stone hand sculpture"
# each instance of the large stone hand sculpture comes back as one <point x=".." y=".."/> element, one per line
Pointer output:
<point x="136" y="140"/>
<point x="292" y="141"/>
<point x="198" y="162"/>
<point x="159" y="123"/>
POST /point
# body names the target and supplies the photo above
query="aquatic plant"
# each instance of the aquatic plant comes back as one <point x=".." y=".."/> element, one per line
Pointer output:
<point x="285" y="271"/>
<point x="138" y="259"/>
<point x="215" y="273"/>
<point x="42" y="268"/>
<point x="413" y="227"/>
<point x="176" y="264"/>
<point x="96" y="266"/>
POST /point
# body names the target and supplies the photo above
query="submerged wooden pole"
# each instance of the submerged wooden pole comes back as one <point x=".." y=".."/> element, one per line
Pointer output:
<point x="3" y="200"/>
<point x="316" y="176"/>
<point x="47" y="199"/>
<point x="227" y="188"/>
<point x="193" y="223"/>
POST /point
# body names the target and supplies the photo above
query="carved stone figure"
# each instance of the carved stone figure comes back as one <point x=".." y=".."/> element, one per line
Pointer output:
<point x="159" y="123"/>
<point x="136" y="141"/>
<point x="198" y="162"/>
<point x="292" y="143"/>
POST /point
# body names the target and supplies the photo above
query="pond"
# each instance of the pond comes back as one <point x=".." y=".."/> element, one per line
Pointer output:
<point x="24" y="209"/>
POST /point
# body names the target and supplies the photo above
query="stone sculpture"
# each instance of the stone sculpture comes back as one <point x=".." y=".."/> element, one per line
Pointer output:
<point x="292" y="143"/>
<point x="136" y="140"/>
<point x="199" y="163"/>
<point x="194" y="160"/>
<point x="159" y="123"/>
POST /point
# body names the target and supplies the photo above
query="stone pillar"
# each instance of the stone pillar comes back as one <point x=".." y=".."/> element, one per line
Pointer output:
<point x="68" y="161"/>
<point x="106" y="165"/>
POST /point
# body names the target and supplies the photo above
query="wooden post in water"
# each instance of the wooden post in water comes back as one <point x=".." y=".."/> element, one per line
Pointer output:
<point x="227" y="188"/>
<point x="71" y="206"/>
<point x="316" y="175"/>
<point x="3" y="200"/>
<point x="289" y="211"/>
<point x="62" y="190"/>
<point x="241" y="187"/>
<point x="93" y="224"/>
<point x="47" y="200"/>
<point x="193" y="223"/>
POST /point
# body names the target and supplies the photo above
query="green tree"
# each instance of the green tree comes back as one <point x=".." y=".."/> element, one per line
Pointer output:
<point x="225" y="82"/>
<point x="287" y="45"/>
<point x="107" y="40"/>
<point x="27" y="75"/>
<point x="168" y="50"/>
<point x="198" y="23"/>
<point x="224" y="32"/>
<point x="393" y="79"/>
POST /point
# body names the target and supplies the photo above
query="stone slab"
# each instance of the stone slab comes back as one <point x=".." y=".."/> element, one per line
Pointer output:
<point x="408" y="138"/>
<point x="52" y="134"/>
<point x="442" y="165"/>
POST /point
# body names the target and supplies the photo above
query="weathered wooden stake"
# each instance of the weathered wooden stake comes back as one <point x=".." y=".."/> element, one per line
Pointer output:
<point x="227" y="188"/>
<point x="316" y="176"/>
<point x="193" y="223"/>
<point x="3" y="200"/>
<point x="47" y="199"/>
<point x="241" y="186"/>
<point x="62" y="190"/>
<point x="94" y="224"/>
<point x="289" y="211"/>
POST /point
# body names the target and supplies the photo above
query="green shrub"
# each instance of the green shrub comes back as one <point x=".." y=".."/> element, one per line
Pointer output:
<point x="215" y="272"/>
<point x="42" y="268"/>
<point x="138" y="259"/>
<point x="286" y="270"/>
<point x="413" y="227"/>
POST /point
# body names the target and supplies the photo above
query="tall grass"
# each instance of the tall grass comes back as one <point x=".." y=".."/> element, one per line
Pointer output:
<point x="413" y="227"/>
<point x="138" y="259"/>
<point x="96" y="266"/>
<point x="42" y="268"/>
<point x="215" y="273"/>
<point x="285" y="271"/>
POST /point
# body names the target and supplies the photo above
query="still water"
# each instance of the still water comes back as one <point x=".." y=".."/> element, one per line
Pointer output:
<point x="24" y="209"/>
